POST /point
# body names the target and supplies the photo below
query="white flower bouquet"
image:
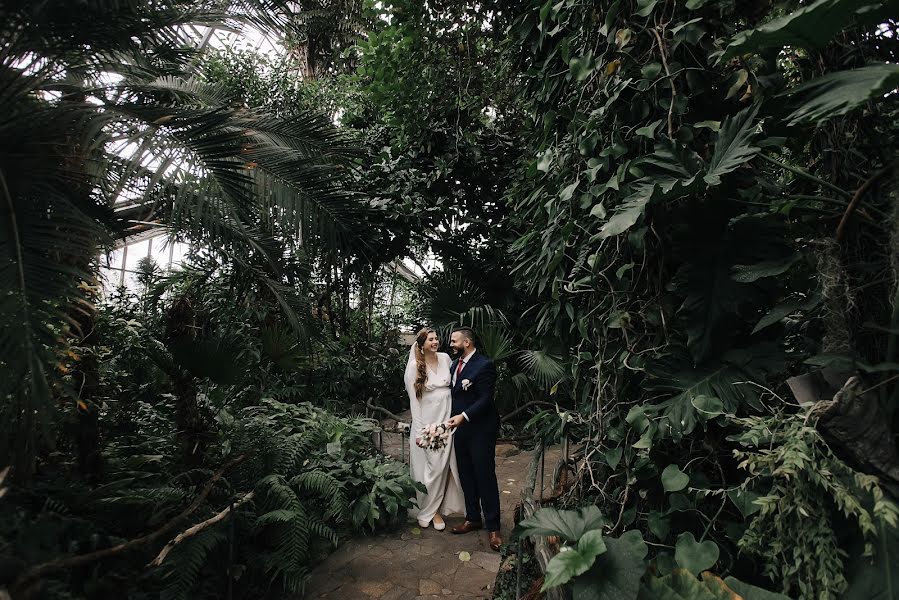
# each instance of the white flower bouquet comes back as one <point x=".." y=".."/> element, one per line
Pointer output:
<point x="433" y="437"/>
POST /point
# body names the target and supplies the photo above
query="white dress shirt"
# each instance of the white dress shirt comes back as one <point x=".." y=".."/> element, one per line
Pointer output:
<point x="464" y="360"/>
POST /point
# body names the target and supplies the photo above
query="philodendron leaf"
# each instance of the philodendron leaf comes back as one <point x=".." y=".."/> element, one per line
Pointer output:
<point x="567" y="524"/>
<point x="629" y="211"/>
<point x="616" y="573"/>
<point x="786" y="308"/>
<point x="837" y="93"/>
<point x="695" y="556"/>
<point x="581" y="66"/>
<point x="751" y="592"/>
<point x="566" y="194"/>
<point x="571" y="562"/>
<point x="707" y="407"/>
<point x="809" y="27"/>
<point x="645" y="7"/>
<point x="681" y="585"/>
<point x="673" y="479"/>
<point x="677" y="585"/>
<point x="733" y="147"/>
<point x="613" y="457"/>
<point x="658" y="524"/>
<point x="591" y="543"/>
<point x="761" y="270"/>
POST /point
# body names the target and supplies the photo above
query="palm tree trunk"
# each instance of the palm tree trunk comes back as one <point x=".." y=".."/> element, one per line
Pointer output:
<point x="189" y="422"/>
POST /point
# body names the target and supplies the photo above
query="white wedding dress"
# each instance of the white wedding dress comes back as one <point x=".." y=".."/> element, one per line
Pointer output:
<point x="436" y="469"/>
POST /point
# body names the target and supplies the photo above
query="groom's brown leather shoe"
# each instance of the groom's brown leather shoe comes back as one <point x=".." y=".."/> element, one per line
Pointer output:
<point x="466" y="527"/>
<point x="495" y="541"/>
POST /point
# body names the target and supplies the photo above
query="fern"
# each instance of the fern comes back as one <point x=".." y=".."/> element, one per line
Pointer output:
<point x="292" y="525"/>
<point x="186" y="561"/>
<point x="327" y="488"/>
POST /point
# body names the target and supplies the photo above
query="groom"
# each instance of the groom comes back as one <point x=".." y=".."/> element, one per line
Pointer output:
<point x="477" y="424"/>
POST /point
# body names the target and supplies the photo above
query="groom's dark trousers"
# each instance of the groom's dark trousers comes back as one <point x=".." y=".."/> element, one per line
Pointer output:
<point x="475" y="439"/>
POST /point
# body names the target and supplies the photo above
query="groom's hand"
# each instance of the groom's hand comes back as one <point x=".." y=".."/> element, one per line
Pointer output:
<point x="455" y="421"/>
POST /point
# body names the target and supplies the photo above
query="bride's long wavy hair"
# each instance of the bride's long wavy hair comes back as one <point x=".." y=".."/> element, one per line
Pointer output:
<point x="422" y="367"/>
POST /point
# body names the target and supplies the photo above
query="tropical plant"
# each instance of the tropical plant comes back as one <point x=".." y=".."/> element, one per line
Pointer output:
<point x="606" y="568"/>
<point x="290" y="495"/>
<point x="686" y="212"/>
<point x="112" y="135"/>
<point x="806" y="490"/>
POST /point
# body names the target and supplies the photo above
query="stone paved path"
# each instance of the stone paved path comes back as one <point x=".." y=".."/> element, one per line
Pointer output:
<point x="423" y="564"/>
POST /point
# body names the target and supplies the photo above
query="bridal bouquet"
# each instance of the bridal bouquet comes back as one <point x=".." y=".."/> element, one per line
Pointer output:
<point x="433" y="436"/>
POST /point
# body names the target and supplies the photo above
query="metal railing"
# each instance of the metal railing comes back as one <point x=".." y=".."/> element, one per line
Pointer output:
<point x="531" y="501"/>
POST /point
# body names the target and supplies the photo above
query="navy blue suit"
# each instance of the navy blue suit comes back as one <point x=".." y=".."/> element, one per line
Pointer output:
<point x="475" y="439"/>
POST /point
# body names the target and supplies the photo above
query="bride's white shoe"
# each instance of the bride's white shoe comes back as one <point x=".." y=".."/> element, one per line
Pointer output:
<point x="441" y="525"/>
<point x="438" y="526"/>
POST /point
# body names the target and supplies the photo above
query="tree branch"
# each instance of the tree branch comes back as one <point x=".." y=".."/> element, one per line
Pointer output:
<point x="197" y="529"/>
<point x="396" y="418"/>
<point x="524" y="406"/>
<point x="857" y="197"/>
<point x="79" y="560"/>
<point x="671" y="81"/>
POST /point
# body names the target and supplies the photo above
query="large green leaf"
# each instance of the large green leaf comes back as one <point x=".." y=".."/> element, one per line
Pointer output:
<point x="714" y="300"/>
<point x="766" y="268"/>
<point x="695" y="556"/>
<point x="671" y="174"/>
<point x="750" y="592"/>
<point x="571" y="562"/>
<point x="808" y="27"/>
<point x="786" y="308"/>
<point x="680" y="584"/>
<point x="673" y="479"/>
<point x="733" y="147"/>
<point x="723" y="378"/>
<point x="877" y="577"/>
<point x="837" y="93"/>
<point x="567" y="524"/>
<point x="629" y="211"/>
<point x="616" y="573"/>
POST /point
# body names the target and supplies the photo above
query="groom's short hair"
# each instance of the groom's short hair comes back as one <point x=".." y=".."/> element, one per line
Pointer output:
<point x="466" y="332"/>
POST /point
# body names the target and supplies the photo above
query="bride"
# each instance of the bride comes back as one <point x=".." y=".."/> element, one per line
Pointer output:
<point x="428" y="384"/>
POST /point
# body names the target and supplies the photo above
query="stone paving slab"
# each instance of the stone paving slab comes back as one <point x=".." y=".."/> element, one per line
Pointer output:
<point x="423" y="564"/>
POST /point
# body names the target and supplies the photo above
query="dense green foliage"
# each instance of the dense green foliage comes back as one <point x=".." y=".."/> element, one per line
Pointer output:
<point x="309" y="477"/>
<point x="680" y="241"/>
<point x="673" y="223"/>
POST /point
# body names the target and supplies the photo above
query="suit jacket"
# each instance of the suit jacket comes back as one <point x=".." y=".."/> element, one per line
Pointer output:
<point x="477" y="400"/>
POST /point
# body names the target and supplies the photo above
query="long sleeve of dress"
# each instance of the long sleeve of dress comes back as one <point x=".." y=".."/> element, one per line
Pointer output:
<point x="409" y="379"/>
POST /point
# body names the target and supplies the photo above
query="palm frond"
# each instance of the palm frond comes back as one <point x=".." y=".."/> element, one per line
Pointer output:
<point x="546" y="369"/>
<point x="447" y="297"/>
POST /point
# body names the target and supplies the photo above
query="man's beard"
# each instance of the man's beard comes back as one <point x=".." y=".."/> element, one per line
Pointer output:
<point x="457" y="352"/>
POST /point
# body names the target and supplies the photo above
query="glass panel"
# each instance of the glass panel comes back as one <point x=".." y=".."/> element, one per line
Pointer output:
<point x="135" y="253"/>
<point x="161" y="251"/>
<point x="131" y="282"/>
<point x="109" y="278"/>
<point x="179" y="251"/>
